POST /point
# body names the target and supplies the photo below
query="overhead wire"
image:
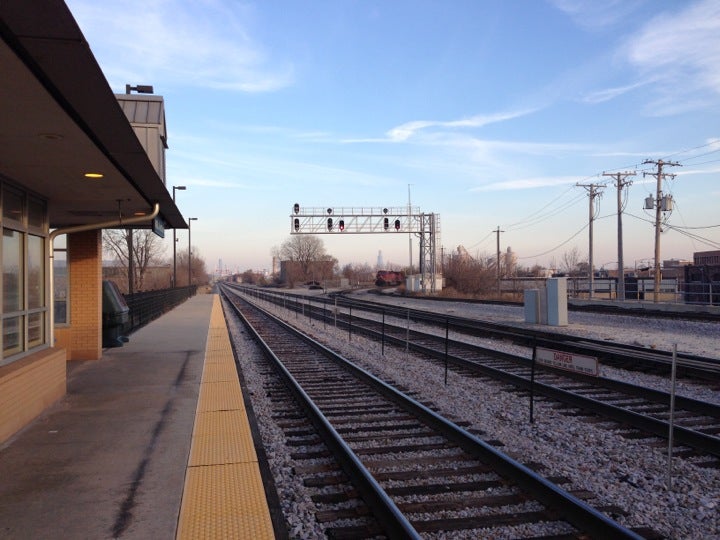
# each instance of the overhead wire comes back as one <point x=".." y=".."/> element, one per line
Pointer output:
<point x="558" y="246"/>
<point x="481" y="241"/>
<point x="538" y="216"/>
<point x="532" y="215"/>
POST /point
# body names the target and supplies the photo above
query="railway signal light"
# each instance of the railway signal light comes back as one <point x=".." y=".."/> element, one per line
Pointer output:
<point x="397" y="224"/>
<point x="386" y="223"/>
<point x="341" y="224"/>
<point x="297" y="224"/>
<point x="296" y="208"/>
<point x="330" y="224"/>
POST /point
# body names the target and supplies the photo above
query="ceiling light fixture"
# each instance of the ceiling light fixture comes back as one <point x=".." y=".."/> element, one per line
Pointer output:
<point x="50" y="136"/>
<point x="93" y="175"/>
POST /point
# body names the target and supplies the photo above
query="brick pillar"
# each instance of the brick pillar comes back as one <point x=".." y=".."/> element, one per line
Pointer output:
<point x="85" y="269"/>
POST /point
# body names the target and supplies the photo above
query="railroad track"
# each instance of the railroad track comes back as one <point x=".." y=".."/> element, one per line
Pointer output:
<point x="622" y="356"/>
<point x="637" y="412"/>
<point x="416" y="472"/>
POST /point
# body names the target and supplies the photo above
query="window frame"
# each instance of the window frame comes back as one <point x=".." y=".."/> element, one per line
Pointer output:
<point x="30" y="221"/>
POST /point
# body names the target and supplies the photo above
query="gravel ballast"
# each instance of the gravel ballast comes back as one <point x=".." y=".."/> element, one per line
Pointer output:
<point x="623" y="472"/>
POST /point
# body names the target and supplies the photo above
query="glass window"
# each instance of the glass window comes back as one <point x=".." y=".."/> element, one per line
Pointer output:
<point x="13" y="207"/>
<point x="36" y="329"/>
<point x="61" y="279"/>
<point x="12" y="259"/>
<point x="36" y="214"/>
<point x="36" y="272"/>
<point x="23" y="246"/>
<point x="12" y="335"/>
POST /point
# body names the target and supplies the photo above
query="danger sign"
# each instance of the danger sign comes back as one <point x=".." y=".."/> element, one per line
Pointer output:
<point x="579" y="363"/>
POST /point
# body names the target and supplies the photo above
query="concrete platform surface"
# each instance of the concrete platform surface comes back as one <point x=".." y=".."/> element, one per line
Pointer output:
<point x="109" y="459"/>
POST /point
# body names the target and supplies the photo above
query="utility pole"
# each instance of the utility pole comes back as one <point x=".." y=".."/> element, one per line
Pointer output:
<point x="410" y="228"/>
<point x="661" y="204"/>
<point x="497" y="234"/>
<point x="131" y="261"/>
<point x="619" y="184"/>
<point x="592" y="193"/>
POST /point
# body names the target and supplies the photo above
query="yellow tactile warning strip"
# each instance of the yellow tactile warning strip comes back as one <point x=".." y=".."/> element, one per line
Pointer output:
<point x="223" y="495"/>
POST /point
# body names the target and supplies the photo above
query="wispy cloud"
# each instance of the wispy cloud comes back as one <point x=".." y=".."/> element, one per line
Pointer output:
<point x="528" y="183"/>
<point x="410" y="130"/>
<point x="204" y="44"/>
<point x="591" y="14"/>
<point x="405" y="131"/>
<point x="608" y="94"/>
<point x="681" y="51"/>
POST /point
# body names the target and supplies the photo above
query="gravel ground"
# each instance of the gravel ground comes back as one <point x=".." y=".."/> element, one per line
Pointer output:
<point x="621" y="472"/>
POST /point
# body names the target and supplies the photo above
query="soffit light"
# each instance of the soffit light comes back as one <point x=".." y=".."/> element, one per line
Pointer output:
<point x="50" y="136"/>
<point x="93" y="175"/>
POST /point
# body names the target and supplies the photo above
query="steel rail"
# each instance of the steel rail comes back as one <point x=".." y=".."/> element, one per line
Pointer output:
<point x="688" y="364"/>
<point x="388" y="514"/>
<point x="700" y="441"/>
<point x="574" y="511"/>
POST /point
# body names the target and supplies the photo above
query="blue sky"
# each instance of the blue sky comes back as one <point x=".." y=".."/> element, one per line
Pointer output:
<point x="488" y="112"/>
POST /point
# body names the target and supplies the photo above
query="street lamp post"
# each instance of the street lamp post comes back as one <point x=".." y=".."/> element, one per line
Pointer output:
<point x="190" y="220"/>
<point x="174" y="283"/>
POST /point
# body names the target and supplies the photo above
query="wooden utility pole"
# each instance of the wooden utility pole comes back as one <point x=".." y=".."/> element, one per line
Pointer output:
<point x="592" y="193"/>
<point x="619" y="184"/>
<point x="497" y="233"/>
<point x="660" y="205"/>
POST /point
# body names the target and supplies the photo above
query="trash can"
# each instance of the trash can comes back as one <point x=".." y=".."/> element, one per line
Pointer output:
<point x="115" y="315"/>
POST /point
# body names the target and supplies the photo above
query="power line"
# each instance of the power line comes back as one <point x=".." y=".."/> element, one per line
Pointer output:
<point x="556" y="247"/>
<point x="527" y="218"/>
<point x="714" y="142"/>
<point x="692" y="236"/>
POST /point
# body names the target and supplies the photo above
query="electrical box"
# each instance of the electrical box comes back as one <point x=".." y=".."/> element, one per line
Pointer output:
<point x="557" y="311"/>
<point x="667" y="203"/>
<point x="531" y="305"/>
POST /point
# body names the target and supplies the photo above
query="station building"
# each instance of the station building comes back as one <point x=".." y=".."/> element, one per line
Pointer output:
<point x="71" y="164"/>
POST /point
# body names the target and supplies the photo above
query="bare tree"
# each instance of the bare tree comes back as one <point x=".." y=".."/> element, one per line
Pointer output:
<point x="469" y="275"/>
<point x="198" y="270"/>
<point x="358" y="273"/>
<point x="304" y="258"/>
<point x="147" y="250"/>
<point x="571" y="259"/>
<point x="304" y="249"/>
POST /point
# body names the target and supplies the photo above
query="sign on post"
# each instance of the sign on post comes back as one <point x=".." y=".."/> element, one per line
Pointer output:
<point x="579" y="363"/>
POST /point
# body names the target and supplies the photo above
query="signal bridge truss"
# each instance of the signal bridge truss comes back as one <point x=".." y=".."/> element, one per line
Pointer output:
<point x="376" y="220"/>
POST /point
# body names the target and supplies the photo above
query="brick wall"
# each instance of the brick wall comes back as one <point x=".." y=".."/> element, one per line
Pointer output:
<point x="83" y="336"/>
<point x="28" y="387"/>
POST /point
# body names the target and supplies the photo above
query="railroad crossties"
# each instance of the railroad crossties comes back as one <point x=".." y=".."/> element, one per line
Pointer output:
<point x="615" y="468"/>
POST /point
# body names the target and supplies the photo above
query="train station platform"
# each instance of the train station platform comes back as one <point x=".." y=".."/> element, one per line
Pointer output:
<point x="151" y="441"/>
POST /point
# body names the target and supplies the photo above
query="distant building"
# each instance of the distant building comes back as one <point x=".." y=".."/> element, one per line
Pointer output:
<point x="510" y="262"/>
<point x="706" y="257"/>
<point x="675" y="268"/>
<point x="293" y="273"/>
<point x="702" y="279"/>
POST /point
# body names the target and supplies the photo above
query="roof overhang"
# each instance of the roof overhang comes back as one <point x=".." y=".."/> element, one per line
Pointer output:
<point x="60" y="120"/>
